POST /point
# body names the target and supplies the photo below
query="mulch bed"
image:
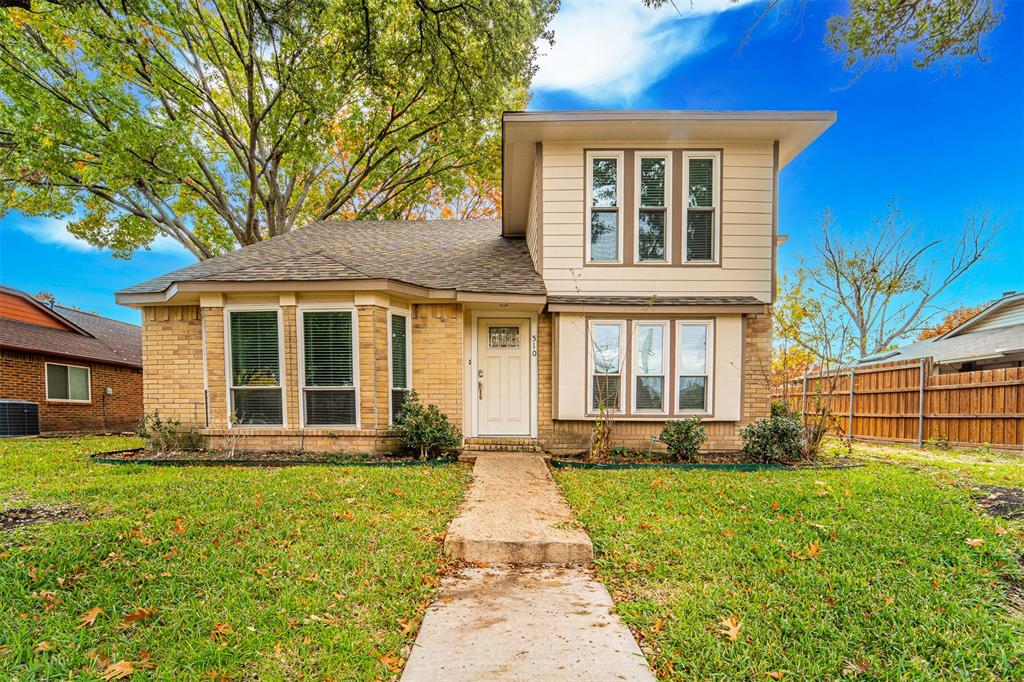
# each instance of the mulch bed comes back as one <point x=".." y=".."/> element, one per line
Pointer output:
<point x="53" y="513"/>
<point x="999" y="501"/>
<point x="239" y="458"/>
<point x="708" y="460"/>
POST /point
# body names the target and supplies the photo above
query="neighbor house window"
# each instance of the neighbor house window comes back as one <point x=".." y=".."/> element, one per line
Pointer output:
<point x="693" y="378"/>
<point x="604" y="203"/>
<point x="328" y="368"/>
<point x="256" y="392"/>
<point x="652" y="217"/>
<point x="607" y="343"/>
<point x="67" y="382"/>
<point x="400" y="352"/>
<point x="650" y="341"/>
<point x="702" y="171"/>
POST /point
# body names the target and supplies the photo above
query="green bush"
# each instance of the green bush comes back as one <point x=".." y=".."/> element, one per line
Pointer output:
<point x="166" y="435"/>
<point x="780" y="408"/>
<point x="683" y="438"/>
<point x="774" y="440"/>
<point x="424" y="429"/>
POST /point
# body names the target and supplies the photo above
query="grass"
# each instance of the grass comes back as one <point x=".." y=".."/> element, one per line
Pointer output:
<point x="270" y="574"/>
<point x="834" y="574"/>
<point x="979" y="465"/>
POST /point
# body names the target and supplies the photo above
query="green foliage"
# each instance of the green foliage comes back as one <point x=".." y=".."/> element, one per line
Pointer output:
<point x="780" y="408"/>
<point x="939" y="31"/>
<point x="166" y="435"/>
<point x="426" y="430"/>
<point x="227" y="122"/>
<point x="683" y="438"/>
<point x="778" y="439"/>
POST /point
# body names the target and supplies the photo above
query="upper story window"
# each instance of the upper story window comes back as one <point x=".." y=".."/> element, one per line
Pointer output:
<point x="67" y="383"/>
<point x="255" y="368"/>
<point x="702" y="189"/>
<point x="653" y="223"/>
<point x="604" y="206"/>
<point x="328" y="368"/>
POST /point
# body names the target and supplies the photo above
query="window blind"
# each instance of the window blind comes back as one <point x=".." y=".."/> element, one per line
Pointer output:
<point x="399" y="365"/>
<point x="700" y="216"/>
<point x="652" y="181"/>
<point x="255" y="368"/>
<point x="329" y="391"/>
<point x="699" y="226"/>
<point x="604" y="187"/>
<point x="652" y="235"/>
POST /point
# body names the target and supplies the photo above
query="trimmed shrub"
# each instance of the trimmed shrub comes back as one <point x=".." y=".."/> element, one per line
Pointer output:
<point x="683" y="438"/>
<point x="773" y="440"/>
<point x="424" y="429"/>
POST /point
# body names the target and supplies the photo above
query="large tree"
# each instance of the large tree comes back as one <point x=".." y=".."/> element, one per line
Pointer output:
<point x="224" y="122"/>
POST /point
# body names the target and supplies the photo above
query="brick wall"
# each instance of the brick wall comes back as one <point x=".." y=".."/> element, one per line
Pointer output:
<point x="172" y="363"/>
<point x="437" y="341"/>
<point x="23" y="377"/>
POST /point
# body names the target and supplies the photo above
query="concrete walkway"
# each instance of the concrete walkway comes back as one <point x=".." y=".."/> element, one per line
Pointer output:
<point x="516" y="619"/>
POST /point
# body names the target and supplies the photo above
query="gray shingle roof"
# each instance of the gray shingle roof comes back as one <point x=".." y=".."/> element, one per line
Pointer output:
<point x="465" y="255"/>
<point x="956" y="347"/>
<point x="111" y="341"/>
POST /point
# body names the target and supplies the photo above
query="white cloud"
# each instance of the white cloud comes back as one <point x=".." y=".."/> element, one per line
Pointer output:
<point x="55" y="231"/>
<point x="611" y="51"/>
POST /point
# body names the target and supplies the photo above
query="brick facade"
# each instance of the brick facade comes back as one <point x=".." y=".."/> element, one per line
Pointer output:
<point x="23" y="377"/>
<point x="172" y="347"/>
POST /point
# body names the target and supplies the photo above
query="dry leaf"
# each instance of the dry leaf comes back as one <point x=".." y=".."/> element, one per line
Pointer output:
<point x="119" y="670"/>
<point x="856" y="667"/>
<point x="179" y="526"/>
<point x="4" y="650"/>
<point x="220" y="632"/>
<point x="1000" y="530"/>
<point x="139" y="615"/>
<point x="776" y="675"/>
<point x="812" y="550"/>
<point x="645" y="526"/>
<point x="392" y="663"/>
<point x="775" y="505"/>
<point x="729" y="533"/>
<point x="658" y="625"/>
<point x="730" y="628"/>
<point x="406" y="625"/>
<point x="974" y="542"/>
<point x="43" y="646"/>
<point x="89" y="617"/>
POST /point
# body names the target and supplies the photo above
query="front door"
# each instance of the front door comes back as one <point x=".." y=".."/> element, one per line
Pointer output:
<point x="503" y="377"/>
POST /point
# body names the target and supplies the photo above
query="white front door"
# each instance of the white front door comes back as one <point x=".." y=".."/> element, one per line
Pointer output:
<point x="503" y="377"/>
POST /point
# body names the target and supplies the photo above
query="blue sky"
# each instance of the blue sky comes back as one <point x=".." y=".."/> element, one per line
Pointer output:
<point x="941" y="144"/>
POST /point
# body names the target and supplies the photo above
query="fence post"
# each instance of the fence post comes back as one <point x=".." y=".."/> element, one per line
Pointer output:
<point x="920" y="407"/>
<point x="803" y="401"/>
<point x="849" y="430"/>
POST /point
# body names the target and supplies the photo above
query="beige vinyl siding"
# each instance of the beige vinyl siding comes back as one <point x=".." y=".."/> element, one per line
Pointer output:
<point x="745" y="237"/>
<point x="534" y="217"/>
<point x="1007" y="317"/>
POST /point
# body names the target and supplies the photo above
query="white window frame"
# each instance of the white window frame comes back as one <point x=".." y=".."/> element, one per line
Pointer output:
<point x="300" y="323"/>
<point x="667" y="156"/>
<point x="229" y="370"/>
<point x="392" y="313"/>
<point x="588" y="200"/>
<point x="666" y="363"/>
<point x="716" y="208"/>
<point x="69" y="399"/>
<point x="623" y="364"/>
<point x="709" y="367"/>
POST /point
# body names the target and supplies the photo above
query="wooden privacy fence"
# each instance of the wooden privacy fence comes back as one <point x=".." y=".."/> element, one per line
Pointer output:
<point x="906" y="402"/>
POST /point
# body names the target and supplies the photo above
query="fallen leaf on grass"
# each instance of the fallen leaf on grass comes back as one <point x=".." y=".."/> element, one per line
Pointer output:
<point x="89" y="617"/>
<point x="43" y="646"/>
<point x="139" y="615"/>
<point x="4" y="650"/>
<point x="856" y="667"/>
<point x="730" y="628"/>
<point x="220" y="632"/>
<point x="974" y="542"/>
<point x="179" y="526"/>
<point x="392" y="663"/>
<point x="407" y="626"/>
<point x="645" y="526"/>
<point x="776" y="674"/>
<point x="119" y="670"/>
<point x="1000" y="530"/>
<point x="658" y="625"/>
<point x="812" y="550"/>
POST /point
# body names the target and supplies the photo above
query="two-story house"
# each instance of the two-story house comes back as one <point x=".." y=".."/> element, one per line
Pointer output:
<point x="632" y="273"/>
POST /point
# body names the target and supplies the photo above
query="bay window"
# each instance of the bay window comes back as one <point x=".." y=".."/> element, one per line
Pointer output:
<point x="701" y="187"/>
<point x="400" y="365"/>
<point x="604" y="206"/>
<point x="328" y="368"/>
<point x="607" y="342"/>
<point x="693" y="377"/>
<point x="653" y="183"/>
<point x="255" y="372"/>
<point x="649" y="366"/>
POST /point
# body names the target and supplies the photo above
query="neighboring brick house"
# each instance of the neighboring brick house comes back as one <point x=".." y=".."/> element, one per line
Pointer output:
<point x="633" y="269"/>
<point x="84" y="371"/>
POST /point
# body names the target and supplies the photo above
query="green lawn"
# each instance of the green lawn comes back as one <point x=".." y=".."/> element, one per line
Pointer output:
<point x="315" y="572"/>
<point x="833" y="574"/>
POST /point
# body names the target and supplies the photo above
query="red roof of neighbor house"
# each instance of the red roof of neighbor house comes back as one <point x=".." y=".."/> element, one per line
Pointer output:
<point x="69" y="333"/>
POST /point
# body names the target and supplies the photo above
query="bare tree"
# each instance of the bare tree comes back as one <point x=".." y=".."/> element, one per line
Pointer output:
<point x="886" y="282"/>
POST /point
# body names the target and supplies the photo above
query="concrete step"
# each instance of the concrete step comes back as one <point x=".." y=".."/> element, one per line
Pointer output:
<point x="502" y="444"/>
<point x="515" y="514"/>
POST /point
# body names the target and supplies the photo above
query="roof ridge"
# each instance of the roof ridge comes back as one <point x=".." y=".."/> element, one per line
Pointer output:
<point x="331" y="258"/>
<point x="92" y="314"/>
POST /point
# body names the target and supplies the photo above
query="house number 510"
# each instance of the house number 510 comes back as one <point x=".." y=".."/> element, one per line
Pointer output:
<point x="533" y="345"/>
